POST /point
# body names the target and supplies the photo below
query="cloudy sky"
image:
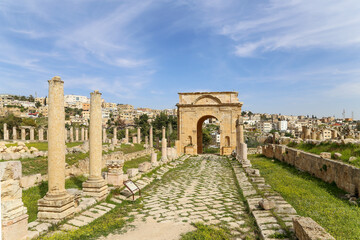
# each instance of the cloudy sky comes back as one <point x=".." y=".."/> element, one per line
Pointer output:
<point x="289" y="57"/>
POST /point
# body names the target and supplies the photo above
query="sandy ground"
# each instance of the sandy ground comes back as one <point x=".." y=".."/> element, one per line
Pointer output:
<point x="152" y="230"/>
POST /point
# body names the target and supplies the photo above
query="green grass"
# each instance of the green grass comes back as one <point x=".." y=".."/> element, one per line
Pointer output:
<point x="130" y="149"/>
<point x="32" y="195"/>
<point x="212" y="150"/>
<point x="43" y="146"/>
<point x="134" y="163"/>
<point x="206" y="232"/>
<point x="311" y="197"/>
<point x="73" y="158"/>
<point x="347" y="150"/>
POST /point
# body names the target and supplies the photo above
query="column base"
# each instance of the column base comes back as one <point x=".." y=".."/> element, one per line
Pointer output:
<point x="55" y="207"/>
<point x="96" y="188"/>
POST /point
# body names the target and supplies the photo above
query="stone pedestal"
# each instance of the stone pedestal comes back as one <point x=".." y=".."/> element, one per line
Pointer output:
<point x="57" y="203"/>
<point x="32" y="135"/>
<point x="115" y="175"/>
<point x="14" y="216"/>
<point x="138" y="135"/>
<point x="163" y="146"/>
<point x="14" y="133"/>
<point x="151" y="138"/>
<point x="135" y="141"/>
<point x="95" y="186"/>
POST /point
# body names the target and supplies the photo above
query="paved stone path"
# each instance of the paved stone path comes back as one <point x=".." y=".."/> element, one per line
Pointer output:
<point x="203" y="189"/>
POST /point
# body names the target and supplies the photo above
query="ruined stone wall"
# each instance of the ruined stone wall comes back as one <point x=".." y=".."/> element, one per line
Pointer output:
<point x="345" y="176"/>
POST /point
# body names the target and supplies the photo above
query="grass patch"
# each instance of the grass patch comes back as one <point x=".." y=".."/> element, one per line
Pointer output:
<point x="347" y="150"/>
<point x="136" y="162"/>
<point x="43" y="146"/>
<point x="311" y="197"/>
<point x="73" y="158"/>
<point x="125" y="148"/>
<point x="31" y="196"/>
<point x="212" y="150"/>
<point x="206" y="232"/>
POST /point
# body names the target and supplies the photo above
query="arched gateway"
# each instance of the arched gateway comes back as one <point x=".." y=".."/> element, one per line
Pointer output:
<point x="194" y="108"/>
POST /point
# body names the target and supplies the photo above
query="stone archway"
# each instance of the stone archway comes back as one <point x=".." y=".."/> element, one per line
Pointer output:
<point x="195" y="107"/>
<point x="199" y="132"/>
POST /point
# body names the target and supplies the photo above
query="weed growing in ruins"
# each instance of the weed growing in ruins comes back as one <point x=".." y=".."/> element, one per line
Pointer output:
<point x="31" y="196"/>
<point x="205" y="232"/>
<point x="311" y="197"/>
<point x="346" y="150"/>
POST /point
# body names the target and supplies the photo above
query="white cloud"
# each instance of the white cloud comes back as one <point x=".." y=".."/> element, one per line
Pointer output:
<point x="277" y="24"/>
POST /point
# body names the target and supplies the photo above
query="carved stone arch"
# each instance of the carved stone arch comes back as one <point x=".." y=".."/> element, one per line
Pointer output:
<point x="207" y="99"/>
<point x="194" y="108"/>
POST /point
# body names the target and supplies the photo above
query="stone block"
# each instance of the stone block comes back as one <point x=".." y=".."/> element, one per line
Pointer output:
<point x="325" y="155"/>
<point x="30" y="181"/>
<point x="307" y="229"/>
<point x="132" y="172"/>
<point x="10" y="170"/>
<point x="352" y="159"/>
<point x="16" y="228"/>
<point x="267" y="204"/>
<point x="144" y="167"/>
<point x="337" y="155"/>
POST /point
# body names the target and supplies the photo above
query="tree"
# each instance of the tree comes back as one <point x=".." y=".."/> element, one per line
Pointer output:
<point x="206" y="137"/>
<point x="31" y="98"/>
<point x="143" y="123"/>
<point x="37" y="104"/>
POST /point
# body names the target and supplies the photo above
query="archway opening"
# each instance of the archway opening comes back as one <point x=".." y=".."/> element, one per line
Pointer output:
<point x="208" y="135"/>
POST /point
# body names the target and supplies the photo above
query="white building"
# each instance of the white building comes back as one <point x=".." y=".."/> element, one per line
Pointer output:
<point x="282" y="125"/>
<point x="71" y="99"/>
<point x="264" y="126"/>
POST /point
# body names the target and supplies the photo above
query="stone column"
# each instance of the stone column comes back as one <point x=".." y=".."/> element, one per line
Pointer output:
<point x="138" y="135"/>
<point x="23" y="134"/>
<point x="77" y="134"/>
<point x="71" y="134"/>
<point x="154" y="162"/>
<point x="126" y="135"/>
<point x="67" y="135"/>
<point x="95" y="186"/>
<point x="41" y="134"/>
<point x="32" y="135"/>
<point x="151" y="137"/>
<point x="57" y="203"/>
<point x="47" y="134"/>
<point x="14" y="133"/>
<point x="163" y="146"/>
<point x="104" y="135"/>
<point x="6" y="133"/>
<point x="146" y="142"/>
<point x="82" y="134"/>
<point x="242" y="146"/>
<point x="86" y="134"/>
<point x="115" y="136"/>
<point x="134" y="139"/>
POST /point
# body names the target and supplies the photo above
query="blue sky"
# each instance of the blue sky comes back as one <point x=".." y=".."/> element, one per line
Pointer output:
<point x="289" y="57"/>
